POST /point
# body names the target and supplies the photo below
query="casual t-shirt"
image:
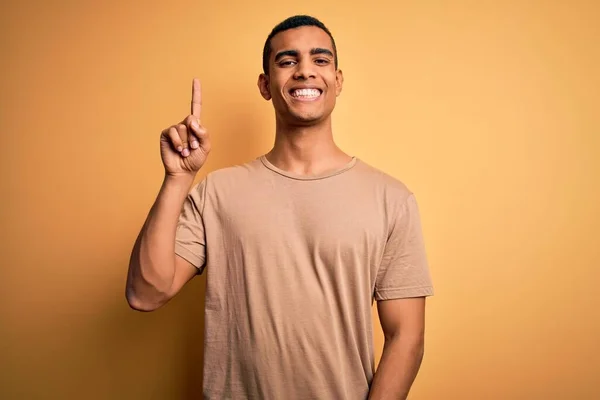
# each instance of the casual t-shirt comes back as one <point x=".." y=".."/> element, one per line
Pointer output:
<point x="293" y="264"/>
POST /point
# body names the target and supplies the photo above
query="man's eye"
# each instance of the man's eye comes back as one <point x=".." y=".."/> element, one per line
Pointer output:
<point x="322" y="61"/>
<point x="287" y="63"/>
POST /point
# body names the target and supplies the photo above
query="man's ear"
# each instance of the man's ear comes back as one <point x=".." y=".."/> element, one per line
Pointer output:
<point x="339" y="82"/>
<point x="263" y="86"/>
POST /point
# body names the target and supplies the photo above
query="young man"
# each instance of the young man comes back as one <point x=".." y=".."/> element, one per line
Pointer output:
<point x="296" y="245"/>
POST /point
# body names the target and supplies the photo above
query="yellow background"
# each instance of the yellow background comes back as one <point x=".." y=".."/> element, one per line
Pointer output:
<point x="488" y="111"/>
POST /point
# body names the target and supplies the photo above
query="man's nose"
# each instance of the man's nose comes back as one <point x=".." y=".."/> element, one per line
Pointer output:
<point x="305" y="70"/>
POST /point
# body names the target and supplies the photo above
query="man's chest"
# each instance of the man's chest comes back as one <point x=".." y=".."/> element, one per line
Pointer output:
<point x="319" y="221"/>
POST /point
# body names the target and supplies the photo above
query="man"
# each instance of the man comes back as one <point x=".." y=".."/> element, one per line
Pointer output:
<point x="296" y="244"/>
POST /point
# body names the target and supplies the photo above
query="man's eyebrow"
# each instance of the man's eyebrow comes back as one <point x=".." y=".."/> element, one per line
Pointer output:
<point x="319" y="50"/>
<point x="293" y="53"/>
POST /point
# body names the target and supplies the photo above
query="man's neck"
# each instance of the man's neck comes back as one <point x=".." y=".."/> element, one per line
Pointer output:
<point x="306" y="150"/>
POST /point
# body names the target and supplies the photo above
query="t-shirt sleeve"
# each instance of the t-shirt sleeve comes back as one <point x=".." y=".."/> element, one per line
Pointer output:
<point x="190" y="240"/>
<point x="404" y="269"/>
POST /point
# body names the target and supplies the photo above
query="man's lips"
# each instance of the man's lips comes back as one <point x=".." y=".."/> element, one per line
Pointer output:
<point x="305" y="93"/>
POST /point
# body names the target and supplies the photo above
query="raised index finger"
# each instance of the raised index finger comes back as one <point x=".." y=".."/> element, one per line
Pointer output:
<point x="196" y="98"/>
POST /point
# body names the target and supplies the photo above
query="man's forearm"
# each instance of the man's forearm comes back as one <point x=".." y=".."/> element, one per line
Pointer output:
<point x="152" y="263"/>
<point x="398" y="367"/>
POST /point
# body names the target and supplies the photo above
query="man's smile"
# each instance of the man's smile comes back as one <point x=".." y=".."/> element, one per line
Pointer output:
<point x="306" y="94"/>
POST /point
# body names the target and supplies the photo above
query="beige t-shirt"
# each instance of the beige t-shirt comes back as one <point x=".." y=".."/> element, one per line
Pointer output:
<point x="293" y="265"/>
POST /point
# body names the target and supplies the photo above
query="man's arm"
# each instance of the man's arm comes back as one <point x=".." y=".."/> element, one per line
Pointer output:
<point x="403" y="324"/>
<point x="156" y="274"/>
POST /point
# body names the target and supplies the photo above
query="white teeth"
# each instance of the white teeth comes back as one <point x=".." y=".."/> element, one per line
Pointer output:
<point x="306" y="93"/>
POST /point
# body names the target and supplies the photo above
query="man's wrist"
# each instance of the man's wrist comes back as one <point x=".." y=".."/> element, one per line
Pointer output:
<point x="180" y="180"/>
<point x="177" y="186"/>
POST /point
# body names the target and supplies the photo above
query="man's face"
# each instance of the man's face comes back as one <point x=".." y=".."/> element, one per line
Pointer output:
<point x="303" y="82"/>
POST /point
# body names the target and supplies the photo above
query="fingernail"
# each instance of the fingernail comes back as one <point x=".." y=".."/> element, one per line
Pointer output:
<point x="195" y="125"/>
<point x="185" y="152"/>
<point x="180" y="149"/>
<point x="194" y="144"/>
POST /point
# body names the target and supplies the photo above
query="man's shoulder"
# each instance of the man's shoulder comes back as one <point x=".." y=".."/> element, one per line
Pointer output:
<point x="382" y="180"/>
<point x="234" y="172"/>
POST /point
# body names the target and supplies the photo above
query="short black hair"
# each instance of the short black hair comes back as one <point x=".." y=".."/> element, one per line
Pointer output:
<point x="290" y="23"/>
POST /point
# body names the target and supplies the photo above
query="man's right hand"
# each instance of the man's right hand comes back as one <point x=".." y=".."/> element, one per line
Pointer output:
<point x="184" y="147"/>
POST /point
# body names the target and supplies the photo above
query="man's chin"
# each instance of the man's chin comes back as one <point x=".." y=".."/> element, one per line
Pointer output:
<point x="293" y="117"/>
<point x="306" y="119"/>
